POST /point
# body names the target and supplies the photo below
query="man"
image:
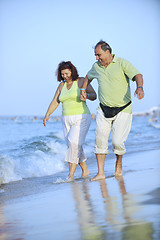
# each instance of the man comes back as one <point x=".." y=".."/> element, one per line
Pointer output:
<point x="113" y="76"/>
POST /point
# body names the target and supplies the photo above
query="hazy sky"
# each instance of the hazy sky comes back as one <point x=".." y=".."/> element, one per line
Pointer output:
<point x="37" y="34"/>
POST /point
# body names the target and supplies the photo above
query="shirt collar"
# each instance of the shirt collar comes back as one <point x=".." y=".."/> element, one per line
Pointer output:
<point x="114" y="58"/>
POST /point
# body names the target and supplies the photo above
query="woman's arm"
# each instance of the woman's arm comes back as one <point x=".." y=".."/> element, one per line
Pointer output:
<point x="91" y="94"/>
<point x="89" y="91"/>
<point x="53" y="105"/>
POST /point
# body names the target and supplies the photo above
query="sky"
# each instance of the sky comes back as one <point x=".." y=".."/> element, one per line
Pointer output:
<point x="38" y="34"/>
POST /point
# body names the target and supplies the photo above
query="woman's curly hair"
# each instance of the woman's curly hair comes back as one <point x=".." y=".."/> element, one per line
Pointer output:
<point x="66" y="65"/>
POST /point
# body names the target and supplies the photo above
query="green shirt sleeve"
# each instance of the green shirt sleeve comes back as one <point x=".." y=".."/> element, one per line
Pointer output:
<point x="129" y="69"/>
<point x="92" y="73"/>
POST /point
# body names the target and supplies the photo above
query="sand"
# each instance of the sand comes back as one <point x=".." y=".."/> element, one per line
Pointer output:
<point x="126" y="208"/>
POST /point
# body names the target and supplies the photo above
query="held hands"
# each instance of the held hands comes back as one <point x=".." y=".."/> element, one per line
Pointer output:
<point x="83" y="95"/>
<point x="139" y="93"/>
<point x="46" y="119"/>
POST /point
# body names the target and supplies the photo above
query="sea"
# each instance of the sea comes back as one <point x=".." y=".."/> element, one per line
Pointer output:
<point x="28" y="150"/>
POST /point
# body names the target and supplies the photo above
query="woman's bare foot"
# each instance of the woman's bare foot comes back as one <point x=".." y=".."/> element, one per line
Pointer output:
<point x="98" y="177"/>
<point x="70" y="178"/>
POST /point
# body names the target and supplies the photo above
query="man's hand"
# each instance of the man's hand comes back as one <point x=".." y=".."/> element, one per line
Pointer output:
<point x="139" y="93"/>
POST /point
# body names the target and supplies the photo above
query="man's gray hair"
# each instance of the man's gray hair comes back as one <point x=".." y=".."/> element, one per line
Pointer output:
<point x="104" y="46"/>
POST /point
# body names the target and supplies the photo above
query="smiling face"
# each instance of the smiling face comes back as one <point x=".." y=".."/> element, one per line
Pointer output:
<point x="102" y="56"/>
<point x="66" y="75"/>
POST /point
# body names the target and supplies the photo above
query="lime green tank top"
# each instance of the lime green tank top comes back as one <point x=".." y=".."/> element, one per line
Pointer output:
<point x="71" y="103"/>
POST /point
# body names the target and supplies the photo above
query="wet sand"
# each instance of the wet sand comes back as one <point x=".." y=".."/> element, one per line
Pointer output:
<point x="120" y="208"/>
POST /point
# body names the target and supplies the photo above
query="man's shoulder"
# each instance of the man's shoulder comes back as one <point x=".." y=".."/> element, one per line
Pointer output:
<point x="119" y="59"/>
<point x="126" y="65"/>
<point x="93" y="71"/>
<point x="95" y="66"/>
<point x="122" y="61"/>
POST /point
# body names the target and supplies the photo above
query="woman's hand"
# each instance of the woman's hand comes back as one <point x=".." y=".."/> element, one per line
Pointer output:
<point x="46" y="119"/>
<point x="83" y="95"/>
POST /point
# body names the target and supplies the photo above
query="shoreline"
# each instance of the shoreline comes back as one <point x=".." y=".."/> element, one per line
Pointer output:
<point x="122" y="208"/>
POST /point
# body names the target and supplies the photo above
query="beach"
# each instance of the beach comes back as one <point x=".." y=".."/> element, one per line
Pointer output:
<point x="125" y="207"/>
<point x="36" y="203"/>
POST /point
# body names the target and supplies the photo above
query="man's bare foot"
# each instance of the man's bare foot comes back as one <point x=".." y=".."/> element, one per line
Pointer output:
<point x="118" y="173"/>
<point x="119" y="177"/>
<point x="118" y="169"/>
<point x="85" y="174"/>
<point x="98" y="177"/>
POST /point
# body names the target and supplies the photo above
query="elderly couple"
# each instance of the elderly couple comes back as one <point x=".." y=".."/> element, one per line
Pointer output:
<point x="114" y="111"/>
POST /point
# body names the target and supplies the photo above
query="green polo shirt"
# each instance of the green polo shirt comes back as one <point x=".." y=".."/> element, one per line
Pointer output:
<point x="113" y="82"/>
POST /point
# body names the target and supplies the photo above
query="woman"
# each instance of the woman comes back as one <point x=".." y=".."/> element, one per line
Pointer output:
<point x="76" y="115"/>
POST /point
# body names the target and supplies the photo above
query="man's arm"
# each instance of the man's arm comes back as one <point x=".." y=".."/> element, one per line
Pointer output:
<point x="139" y="91"/>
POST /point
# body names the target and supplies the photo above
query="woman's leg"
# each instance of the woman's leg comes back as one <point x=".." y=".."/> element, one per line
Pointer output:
<point x="75" y="133"/>
<point x="84" y="127"/>
<point x="76" y="137"/>
<point x="72" y="168"/>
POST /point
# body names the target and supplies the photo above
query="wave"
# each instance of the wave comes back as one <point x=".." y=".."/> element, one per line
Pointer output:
<point x="7" y="170"/>
<point x="151" y="112"/>
<point x="59" y="180"/>
<point x="33" y="163"/>
<point x="155" y="125"/>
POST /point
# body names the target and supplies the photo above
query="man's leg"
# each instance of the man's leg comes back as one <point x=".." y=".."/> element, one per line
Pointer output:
<point x="118" y="169"/>
<point x="100" y="162"/>
<point x="120" y="130"/>
<point x="103" y="128"/>
<point x="85" y="171"/>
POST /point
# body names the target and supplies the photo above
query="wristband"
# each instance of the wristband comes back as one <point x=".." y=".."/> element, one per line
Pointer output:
<point x="140" y="87"/>
<point x="82" y="89"/>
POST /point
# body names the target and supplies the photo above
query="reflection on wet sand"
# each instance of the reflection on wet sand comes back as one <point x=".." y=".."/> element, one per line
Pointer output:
<point x="7" y="229"/>
<point x="86" y="218"/>
<point x="121" y="221"/>
<point x="3" y="235"/>
<point x="134" y="227"/>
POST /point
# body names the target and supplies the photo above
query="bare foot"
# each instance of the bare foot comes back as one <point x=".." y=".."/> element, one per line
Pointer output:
<point x="70" y="179"/>
<point x="119" y="177"/>
<point x="118" y="169"/>
<point x="98" y="177"/>
<point x="118" y="173"/>
<point x="85" y="174"/>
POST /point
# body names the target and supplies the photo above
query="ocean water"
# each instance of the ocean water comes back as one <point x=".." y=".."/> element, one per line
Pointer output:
<point x="28" y="150"/>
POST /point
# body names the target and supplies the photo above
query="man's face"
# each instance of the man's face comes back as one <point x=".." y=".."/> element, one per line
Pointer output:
<point x="101" y="55"/>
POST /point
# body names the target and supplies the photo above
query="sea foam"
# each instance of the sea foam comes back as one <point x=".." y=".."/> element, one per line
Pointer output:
<point x="33" y="165"/>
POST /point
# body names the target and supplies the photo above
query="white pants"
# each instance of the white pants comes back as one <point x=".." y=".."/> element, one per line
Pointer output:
<point x="120" y="126"/>
<point x="75" y="130"/>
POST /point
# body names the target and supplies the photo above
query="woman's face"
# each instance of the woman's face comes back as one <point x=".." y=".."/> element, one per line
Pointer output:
<point x="66" y="74"/>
